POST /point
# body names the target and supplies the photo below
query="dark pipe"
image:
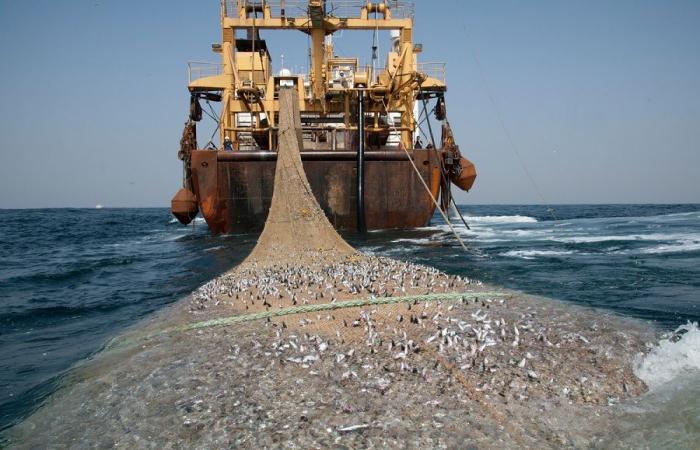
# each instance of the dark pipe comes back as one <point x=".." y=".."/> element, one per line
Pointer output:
<point x="322" y="119"/>
<point x="361" y="224"/>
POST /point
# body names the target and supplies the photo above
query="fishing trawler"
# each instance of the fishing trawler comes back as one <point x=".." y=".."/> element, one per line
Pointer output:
<point x="369" y="148"/>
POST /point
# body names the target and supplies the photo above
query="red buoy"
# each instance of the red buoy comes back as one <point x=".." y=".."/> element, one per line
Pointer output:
<point x="184" y="206"/>
<point x="465" y="176"/>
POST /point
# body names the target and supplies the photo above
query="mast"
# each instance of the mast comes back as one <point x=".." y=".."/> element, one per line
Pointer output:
<point x="317" y="15"/>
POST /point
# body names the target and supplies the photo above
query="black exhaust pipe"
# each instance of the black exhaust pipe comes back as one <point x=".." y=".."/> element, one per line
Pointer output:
<point x="361" y="224"/>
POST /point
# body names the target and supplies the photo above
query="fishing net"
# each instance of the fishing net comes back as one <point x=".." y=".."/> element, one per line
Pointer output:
<point x="296" y="231"/>
<point x="312" y="343"/>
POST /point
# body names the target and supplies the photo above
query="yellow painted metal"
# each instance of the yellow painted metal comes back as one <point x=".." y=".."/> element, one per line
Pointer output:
<point x="248" y="85"/>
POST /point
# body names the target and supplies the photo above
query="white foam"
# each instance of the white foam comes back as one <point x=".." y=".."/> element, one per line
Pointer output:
<point x="500" y="219"/>
<point x="527" y="233"/>
<point x="197" y="219"/>
<point x="413" y="241"/>
<point x="459" y="227"/>
<point x="172" y="237"/>
<point x="683" y="246"/>
<point x="561" y="224"/>
<point x="531" y="254"/>
<point x="673" y="357"/>
<point x="684" y="214"/>
<point x="629" y="237"/>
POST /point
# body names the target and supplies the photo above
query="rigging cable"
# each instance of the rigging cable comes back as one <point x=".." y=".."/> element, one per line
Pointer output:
<point x="375" y="43"/>
<point x="218" y="125"/>
<point x="211" y="114"/>
<point x="509" y="137"/>
<point x="442" y="167"/>
<point x="425" y="185"/>
<point x="211" y="139"/>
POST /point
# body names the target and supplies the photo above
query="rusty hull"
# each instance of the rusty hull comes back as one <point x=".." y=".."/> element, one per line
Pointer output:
<point x="234" y="189"/>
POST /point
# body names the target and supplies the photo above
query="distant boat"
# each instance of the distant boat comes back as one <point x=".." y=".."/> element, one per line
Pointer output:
<point x="98" y="206"/>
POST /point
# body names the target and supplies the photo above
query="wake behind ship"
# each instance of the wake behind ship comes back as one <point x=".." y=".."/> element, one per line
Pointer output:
<point x="367" y="144"/>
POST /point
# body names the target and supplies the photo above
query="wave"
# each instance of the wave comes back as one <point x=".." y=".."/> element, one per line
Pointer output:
<point x="413" y="241"/>
<point x="71" y="272"/>
<point x="628" y="237"/>
<point x="682" y="214"/>
<point x="500" y="219"/>
<point x="675" y="356"/>
<point x="531" y="254"/>
<point x="673" y="248"/>
<point x="197" y="219"/>
<point x="37" y="316"/>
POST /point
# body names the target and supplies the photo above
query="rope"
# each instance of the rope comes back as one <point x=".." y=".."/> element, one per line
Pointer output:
<point x="212" y="114"/>
<point x="211" y="138"/>
<point x="427" y="189"/>
<point x="432" y="139"/>
<point x="302" y="309"/>
<point x="443" y="171"/>
<point x="454" y="205"/>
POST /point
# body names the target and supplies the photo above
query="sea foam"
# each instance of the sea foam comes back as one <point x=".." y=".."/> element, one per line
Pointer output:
<point x="669" y="237"/>
<point x="413" y="241"/>
<point x="675" y="356"/>
<point x="682" y="246"/>
<point x="500" y="219"/>
<point x="530" y="254"/>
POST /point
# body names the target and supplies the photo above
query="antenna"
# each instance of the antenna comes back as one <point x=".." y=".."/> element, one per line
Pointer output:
<point x="375" y="44"/>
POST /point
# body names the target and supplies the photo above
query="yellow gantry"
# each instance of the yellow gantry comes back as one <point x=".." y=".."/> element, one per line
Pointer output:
<point x="249" y="87"/>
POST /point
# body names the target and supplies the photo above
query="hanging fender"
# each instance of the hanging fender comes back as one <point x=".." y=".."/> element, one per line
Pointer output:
<point x="463" y="173"/>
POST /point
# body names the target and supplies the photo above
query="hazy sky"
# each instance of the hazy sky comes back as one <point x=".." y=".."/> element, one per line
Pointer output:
<point x="601" y="98"/>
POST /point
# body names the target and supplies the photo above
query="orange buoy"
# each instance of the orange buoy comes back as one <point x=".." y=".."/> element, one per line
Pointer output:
<point x="184" y="206"/>
<point x="464" y="177"/>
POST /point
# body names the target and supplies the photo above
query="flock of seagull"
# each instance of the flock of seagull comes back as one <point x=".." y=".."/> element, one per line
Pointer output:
<point x="476" y="337"/>
<point x="289" y="284"/>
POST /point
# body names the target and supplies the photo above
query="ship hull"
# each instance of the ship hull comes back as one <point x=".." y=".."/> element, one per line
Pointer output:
<point x="234" y="189"/>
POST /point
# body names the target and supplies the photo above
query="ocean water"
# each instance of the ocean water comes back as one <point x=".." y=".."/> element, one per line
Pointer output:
<point x="72" y="278"/>
<point x="638" y="260"/>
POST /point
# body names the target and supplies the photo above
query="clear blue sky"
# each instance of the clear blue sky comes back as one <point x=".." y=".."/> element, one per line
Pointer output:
<point x="601" y="98"/>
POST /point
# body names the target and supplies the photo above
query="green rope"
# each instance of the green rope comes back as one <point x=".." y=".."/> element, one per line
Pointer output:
<point x="301" y="309"/>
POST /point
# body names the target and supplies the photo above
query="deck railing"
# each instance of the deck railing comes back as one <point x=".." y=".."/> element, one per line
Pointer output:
<point x="433" y="69"/>
<point x="334" y="8"/>
<point x="197" y="70"/>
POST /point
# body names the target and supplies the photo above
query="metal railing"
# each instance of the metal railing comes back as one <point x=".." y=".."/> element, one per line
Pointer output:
<point x="433" y="69"/>
<point x="334" y="8"/>
<point x="197" y="70"/>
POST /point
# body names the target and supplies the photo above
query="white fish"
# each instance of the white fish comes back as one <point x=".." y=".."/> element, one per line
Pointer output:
<point x="309" y="358"/>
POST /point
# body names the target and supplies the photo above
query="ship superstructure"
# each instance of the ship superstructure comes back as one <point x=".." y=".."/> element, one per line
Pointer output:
<point x="368" y="161"/>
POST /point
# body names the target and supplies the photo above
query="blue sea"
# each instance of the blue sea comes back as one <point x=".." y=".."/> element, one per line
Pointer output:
<point x="72" y="278"/>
